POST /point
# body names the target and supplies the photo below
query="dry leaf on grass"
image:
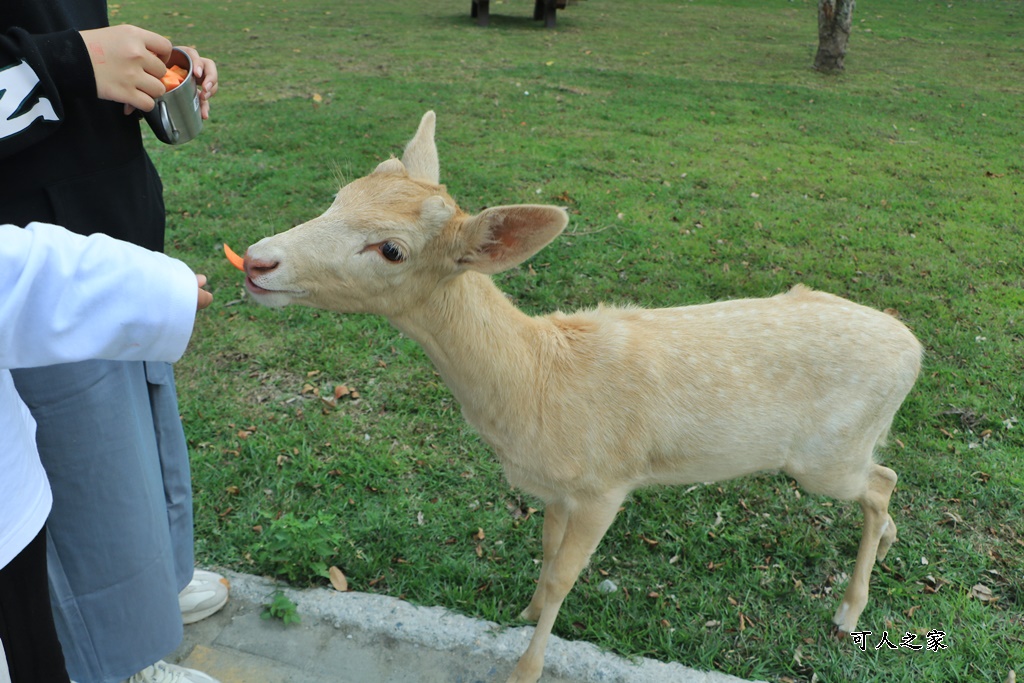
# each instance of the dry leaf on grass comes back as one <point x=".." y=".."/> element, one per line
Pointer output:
<point x="338" y="579"/>
<point x="983" y="593"/>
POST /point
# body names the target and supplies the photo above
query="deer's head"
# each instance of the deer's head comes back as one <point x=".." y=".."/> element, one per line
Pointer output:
<point x="390" y="238"/>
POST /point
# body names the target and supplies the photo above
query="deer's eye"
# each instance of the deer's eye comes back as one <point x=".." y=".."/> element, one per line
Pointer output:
<point x="392" y="252"/>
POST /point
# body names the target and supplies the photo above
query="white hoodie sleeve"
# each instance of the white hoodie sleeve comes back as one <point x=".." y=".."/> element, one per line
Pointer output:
<point x="65" y="297"/>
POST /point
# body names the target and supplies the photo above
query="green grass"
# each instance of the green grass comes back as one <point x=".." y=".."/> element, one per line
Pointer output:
<point x="701" y="158"/>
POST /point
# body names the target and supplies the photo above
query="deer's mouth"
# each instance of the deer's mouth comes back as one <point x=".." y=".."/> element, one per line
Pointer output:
<point x="256" y="289"/>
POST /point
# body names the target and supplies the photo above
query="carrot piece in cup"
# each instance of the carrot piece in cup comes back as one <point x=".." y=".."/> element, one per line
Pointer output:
<point x="173" y="77"/>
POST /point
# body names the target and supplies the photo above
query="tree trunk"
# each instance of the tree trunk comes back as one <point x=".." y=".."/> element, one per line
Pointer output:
<point x="834" y="20"/>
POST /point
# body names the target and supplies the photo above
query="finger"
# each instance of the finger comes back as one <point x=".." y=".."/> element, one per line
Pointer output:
<point x="197" y="62"/>
<point x="200" y="279"/>
<point x="141" y="100"/>
<point x="154" y="65"/>
<point x="211" y="77"/>
<point x="203" y="300"/>
<point x="145" y="99"/>
<point x="157" y="44"/>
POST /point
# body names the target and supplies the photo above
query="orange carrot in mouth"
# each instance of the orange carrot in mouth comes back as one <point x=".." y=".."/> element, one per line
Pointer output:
<point x="236" y="260"/>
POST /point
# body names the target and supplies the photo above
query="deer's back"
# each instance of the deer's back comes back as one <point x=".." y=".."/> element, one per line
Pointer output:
<point x="707" y="392"/>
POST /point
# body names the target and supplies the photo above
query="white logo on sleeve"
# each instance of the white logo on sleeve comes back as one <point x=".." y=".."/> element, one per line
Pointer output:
<point x="16" y="85"/>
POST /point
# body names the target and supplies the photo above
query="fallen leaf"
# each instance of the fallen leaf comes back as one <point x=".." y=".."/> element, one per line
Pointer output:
<point x="951" y="518"/>
<point x="980" y="591"/>
<point x="338" y="579"/>
<point x="932" y="584"/>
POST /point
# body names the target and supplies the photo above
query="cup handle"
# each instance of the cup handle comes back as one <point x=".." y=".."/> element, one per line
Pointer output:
<point x="165" y="123"/>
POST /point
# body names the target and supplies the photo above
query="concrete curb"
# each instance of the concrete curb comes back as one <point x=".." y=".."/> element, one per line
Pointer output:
<point x="364" y="638"/>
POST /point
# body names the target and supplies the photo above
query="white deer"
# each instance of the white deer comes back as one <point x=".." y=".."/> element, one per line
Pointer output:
<point x="583" y="408"/>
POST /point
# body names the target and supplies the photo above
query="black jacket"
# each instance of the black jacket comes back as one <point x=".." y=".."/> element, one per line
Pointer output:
<point x="67" y="157"/>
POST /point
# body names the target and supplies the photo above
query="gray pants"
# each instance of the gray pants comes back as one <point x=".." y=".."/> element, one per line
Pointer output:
<point x="119" y="537"/>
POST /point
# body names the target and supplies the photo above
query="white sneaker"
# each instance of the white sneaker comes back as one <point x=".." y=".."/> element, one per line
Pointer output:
<point x="204" y="595"/>
<point x="162" y="672"/>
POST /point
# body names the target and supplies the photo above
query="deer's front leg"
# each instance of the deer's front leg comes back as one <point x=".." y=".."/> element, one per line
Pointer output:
<point x="554" y="529"/>
<point x="585" y="525"/>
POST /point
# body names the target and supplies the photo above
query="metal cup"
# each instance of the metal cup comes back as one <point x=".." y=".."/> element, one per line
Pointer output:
<point x="175" y="119"/>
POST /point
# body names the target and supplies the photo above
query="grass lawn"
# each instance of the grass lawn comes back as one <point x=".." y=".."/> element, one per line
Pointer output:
<point x="700" y="158"/>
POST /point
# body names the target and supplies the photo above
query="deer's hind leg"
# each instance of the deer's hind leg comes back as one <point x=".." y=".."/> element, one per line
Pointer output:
<point x="878" y="534"/>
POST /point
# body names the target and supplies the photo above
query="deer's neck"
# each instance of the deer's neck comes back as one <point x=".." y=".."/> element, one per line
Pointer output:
<point x="490" y="354"/>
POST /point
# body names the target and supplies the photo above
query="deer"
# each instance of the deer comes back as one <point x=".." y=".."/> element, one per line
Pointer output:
<point x="583" y="408"/>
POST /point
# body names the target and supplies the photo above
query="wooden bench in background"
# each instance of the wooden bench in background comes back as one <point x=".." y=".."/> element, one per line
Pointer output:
<point x="542" y="9"/>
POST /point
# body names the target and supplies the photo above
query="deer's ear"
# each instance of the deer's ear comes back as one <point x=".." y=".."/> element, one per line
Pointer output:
<point x="391" y="165"/>
<point x="420" y="156"/>
<point x="501" y="237"/>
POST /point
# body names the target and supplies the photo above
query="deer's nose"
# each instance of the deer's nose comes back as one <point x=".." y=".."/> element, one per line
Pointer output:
<point x="258" y="266"/>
